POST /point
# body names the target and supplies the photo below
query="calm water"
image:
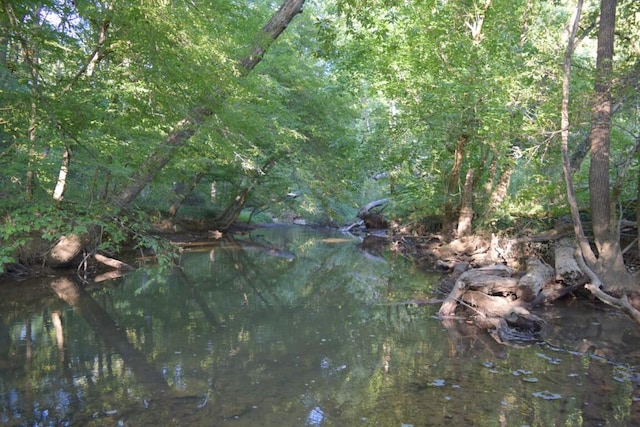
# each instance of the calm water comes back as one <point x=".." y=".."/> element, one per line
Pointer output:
<point x="296" y="327"/>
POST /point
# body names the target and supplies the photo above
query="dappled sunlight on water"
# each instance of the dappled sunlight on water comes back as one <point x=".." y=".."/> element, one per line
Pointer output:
<point x="295" y="327"/>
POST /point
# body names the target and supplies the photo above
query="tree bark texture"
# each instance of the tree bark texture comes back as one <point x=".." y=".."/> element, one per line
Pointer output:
<point x="601" y="130"/>
<point x="567" y="269"/>
<point x="487" y="294"/>
<point x="230" y="215"/>
<point x="160" y="156"/>
<point x="271" y="30"/>
<point x="61" y="184"/>
<point x="500" y="190"/>
<point x="537" y="276"/>
<point x="585" y="249"/>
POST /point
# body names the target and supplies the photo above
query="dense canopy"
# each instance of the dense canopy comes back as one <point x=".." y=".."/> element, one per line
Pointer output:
<point x="121" y="113"/>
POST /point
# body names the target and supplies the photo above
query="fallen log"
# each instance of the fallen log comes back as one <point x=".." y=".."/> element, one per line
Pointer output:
<point x="489" y="294"/>
<point x="373" y="219"/>
<point x="537" y="276"/>
<point x="483" y="280"/>
<point x="554" y="291"/>
<point x="493" y="285"/>
<point x="67" y="250"/>
<point x="366" y="208"/>
<point x="493" y="306"/>
<point x="354" y="225"/>
<point x="111" y="262"/>
<point x="567" y="269"/>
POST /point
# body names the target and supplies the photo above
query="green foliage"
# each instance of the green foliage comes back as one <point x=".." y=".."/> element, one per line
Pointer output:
<point x="433" y="71"/>
<point x="351" y="90"/>
<point x="27" y="233"/>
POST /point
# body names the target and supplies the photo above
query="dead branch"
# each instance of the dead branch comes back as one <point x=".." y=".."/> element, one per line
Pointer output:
<point x="621" y="303"/>
<point x="111" y="262"/>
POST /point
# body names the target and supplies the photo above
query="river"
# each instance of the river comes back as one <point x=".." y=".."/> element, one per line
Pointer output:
<point x="290" y="326"/>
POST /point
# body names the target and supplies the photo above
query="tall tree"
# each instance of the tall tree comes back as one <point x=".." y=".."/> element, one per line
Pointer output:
<point x="187" y="127"/>
<point x="601" y="210"/>
<point x="606" y="267"/>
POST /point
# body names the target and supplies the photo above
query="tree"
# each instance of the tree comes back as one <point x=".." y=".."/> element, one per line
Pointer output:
<point x="606" y="267"/>
<point x="603" y="229"/>
<point x="187" y="126"/>
<point x="464" y="89"/>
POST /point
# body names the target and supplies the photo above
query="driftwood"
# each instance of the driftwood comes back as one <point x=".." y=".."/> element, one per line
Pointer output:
<point x="113" y="263"/>
<point x="354" y="225"/>
<point x="567" y="269"/>
<point x="537" y="276"/>
<point x="373" y="218"/>
<point x="491" y="296"/>
<point x="485" y="280"/>
<point x="367" y="208"/>
<point x="70" y="250"/>
<point x="67" y="250"/>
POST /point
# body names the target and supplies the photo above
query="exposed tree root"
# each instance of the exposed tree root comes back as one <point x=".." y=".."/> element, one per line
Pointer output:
<point x="595" y="287"/>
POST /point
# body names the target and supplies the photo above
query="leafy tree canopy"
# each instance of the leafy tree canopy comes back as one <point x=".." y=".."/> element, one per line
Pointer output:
<point x="415" y="93"/>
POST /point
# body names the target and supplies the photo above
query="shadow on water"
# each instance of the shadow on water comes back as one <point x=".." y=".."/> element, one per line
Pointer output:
<point x="295" y="327"/>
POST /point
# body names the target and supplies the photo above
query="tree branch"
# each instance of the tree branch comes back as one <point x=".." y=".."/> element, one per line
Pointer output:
<point x="188" y="126"/>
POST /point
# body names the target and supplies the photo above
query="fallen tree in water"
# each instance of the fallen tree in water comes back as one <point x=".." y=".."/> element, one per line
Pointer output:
<point x="508" y="280"/>
<point x="495" y="299"/>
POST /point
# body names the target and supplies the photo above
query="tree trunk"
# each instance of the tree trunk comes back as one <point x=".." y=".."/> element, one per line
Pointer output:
<point x="231" y="214"/>
<point x="583" y="244"/>
<point x="183" y="196"/>
<point x="466" y="206"/>
<point x="610" y="265"/>
<point x="537" y="276"/>
<point x="61" y="184"/>
<point x="187" y="127"/>
<point x="500" y="191"/>
<point x="183" y="131"/>
<point x="567" y="270"/>
<point x="450" y="214"/>
<point x="160" y="156"/>
<point x="271" y="30"/>
<point x="607" y="270"/>
<point x="600" y="133"/>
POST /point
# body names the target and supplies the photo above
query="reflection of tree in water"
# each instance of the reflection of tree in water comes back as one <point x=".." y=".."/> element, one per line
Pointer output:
<point x="249" y="336"/>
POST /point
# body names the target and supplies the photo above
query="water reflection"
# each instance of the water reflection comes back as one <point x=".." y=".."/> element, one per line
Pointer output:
<point x="290" y="326"/>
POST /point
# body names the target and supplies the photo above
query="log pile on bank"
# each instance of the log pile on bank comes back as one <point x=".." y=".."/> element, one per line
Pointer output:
<point x="501" y="299"/>
<point x="499" y="293"/>
<point x="494" y="298"/>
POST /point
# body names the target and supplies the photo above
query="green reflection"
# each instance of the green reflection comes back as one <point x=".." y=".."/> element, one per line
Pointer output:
<point x="284" y="326"/>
